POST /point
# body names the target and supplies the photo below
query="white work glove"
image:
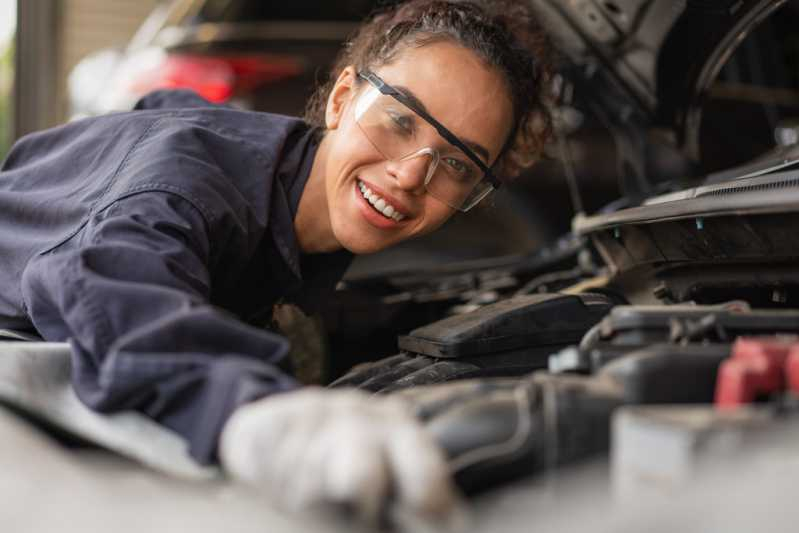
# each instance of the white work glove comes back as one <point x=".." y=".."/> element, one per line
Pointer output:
<point x="317" y="446"/>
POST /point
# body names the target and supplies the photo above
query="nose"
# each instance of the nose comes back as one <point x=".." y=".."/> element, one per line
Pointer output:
<point x="410" y="172"/>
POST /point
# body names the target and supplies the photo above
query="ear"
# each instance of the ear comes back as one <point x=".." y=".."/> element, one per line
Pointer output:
<point x="339" y="97"/>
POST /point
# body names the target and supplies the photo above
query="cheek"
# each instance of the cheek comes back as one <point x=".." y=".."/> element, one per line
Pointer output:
<point x="436" y="214"/>
<point x="349" y="153"/>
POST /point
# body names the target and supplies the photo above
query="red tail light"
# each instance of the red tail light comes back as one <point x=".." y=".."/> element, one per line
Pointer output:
<point x="216" y="78"/>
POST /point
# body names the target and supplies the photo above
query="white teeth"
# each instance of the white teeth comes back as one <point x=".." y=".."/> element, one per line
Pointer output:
<point x="380" y="204"/>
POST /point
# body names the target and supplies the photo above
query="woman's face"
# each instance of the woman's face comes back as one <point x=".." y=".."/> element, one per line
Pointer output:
<point x="456" y="88"/>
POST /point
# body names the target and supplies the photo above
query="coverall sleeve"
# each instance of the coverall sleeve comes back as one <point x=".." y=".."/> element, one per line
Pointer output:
<point x="131" y="293"/>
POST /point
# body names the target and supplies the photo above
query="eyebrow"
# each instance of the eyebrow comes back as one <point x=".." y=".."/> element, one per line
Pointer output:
<point x="475" y="147"/>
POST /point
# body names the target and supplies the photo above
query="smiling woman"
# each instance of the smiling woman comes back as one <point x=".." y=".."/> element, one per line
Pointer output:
<point x="471" y="79"/>
<point x="181" y="226"/>
<point x="470" y="97"/>
<point x="503" y="34"/>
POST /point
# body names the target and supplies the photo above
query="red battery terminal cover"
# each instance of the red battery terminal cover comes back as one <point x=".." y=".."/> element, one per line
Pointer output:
<point x="758" y="367"/>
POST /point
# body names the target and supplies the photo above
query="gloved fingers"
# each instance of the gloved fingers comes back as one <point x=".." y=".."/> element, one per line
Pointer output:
<point x="358" y="476"/>
<point x="314" y="448"/>
<point x="392" y="374"/>
<point x="342" y="466"/>
<point x="422" y="481"/>
<point x="266" y="425"/>
<point x="360" y="373"/>
<point x="292" y="458"/>
<point x="438" y="372"/>
<point x="243" y="440"/>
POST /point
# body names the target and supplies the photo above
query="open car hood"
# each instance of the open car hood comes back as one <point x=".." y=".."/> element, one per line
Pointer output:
<point x="661" y="55"/>
<point x="644" y="66"/>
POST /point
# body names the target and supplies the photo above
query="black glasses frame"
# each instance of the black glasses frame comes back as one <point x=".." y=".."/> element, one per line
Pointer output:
<point x="450" y="137"/>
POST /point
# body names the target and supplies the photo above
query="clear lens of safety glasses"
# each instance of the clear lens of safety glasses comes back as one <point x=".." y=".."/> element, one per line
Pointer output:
<point x="398" y="133"/>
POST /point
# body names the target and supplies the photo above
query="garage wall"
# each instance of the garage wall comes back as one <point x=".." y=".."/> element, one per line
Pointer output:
<point x="89" y="25"/>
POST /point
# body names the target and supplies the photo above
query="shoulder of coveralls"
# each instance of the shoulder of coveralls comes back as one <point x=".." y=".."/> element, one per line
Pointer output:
<point x="222" y="160"/>
<point x="219" y="159"/>
<point x="174" y="99"/>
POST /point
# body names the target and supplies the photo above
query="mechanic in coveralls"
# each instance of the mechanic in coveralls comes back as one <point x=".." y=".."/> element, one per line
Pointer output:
<point x="153" y="240"/>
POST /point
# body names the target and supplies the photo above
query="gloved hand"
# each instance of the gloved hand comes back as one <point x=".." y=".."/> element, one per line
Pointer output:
<point x="315" y="446"/>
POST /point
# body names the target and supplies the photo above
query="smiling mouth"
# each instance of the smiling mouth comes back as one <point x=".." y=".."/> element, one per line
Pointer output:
<point x="379" y="204"/>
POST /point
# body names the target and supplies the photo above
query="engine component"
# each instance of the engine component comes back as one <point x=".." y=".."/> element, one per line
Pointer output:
<point x="758" y="367"/>
<point x="509" y="338"/>
<point x="664" y="373"/>
<point x="513" y="324"/>
<point x="662" y="448"/>
<point x="500" y="429"/>
<point x="627" y="328"/>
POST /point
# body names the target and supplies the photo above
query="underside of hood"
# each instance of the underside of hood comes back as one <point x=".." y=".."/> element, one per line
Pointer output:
<point x="644" y="69"/>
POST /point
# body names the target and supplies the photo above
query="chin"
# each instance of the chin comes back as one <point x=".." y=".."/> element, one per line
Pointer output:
<point x="358" y="241"/>
<point x="358" y="245"/>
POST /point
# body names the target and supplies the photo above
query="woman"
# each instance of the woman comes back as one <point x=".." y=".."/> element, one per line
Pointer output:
<point x="151" y="239"/>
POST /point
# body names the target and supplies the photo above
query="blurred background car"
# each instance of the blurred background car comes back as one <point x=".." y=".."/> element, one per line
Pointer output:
<point x="257" y="55"/>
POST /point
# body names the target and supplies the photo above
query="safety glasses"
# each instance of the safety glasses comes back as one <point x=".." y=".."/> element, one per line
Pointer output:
<point x="396" y="126"/>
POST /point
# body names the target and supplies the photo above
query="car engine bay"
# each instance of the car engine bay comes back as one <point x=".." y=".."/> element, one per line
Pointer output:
<point x="657" y="337"/>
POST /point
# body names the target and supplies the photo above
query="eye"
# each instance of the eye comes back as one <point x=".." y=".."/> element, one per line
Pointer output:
<point x="461" y="170"/>
<point x="401" y="122"/>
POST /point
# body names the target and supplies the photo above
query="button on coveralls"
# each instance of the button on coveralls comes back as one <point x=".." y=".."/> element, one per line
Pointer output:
<point x="152" y="241"/>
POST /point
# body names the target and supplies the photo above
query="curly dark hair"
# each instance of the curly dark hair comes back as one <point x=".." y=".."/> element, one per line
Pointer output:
<point x="503" y="33"/>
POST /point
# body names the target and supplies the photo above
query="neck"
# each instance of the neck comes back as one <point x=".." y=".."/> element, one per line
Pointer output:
<point x="312" y="222"/>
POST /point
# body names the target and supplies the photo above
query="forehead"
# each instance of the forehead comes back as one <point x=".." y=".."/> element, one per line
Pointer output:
<point x="458" y="89"/>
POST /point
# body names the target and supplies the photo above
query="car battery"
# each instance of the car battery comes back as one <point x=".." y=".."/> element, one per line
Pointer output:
<point x="659" y="450"/>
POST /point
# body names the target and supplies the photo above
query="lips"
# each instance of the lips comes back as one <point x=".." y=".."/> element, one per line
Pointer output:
<point x="374" y="211"/>
<point x="379" y="203"/>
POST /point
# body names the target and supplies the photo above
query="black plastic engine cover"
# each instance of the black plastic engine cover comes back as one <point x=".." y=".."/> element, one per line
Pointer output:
<point x="512" y="324"/>
<point x="509" y="338"/>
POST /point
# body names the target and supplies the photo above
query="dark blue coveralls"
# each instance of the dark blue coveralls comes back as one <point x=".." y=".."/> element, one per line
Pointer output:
<point x="152" y="241"/>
